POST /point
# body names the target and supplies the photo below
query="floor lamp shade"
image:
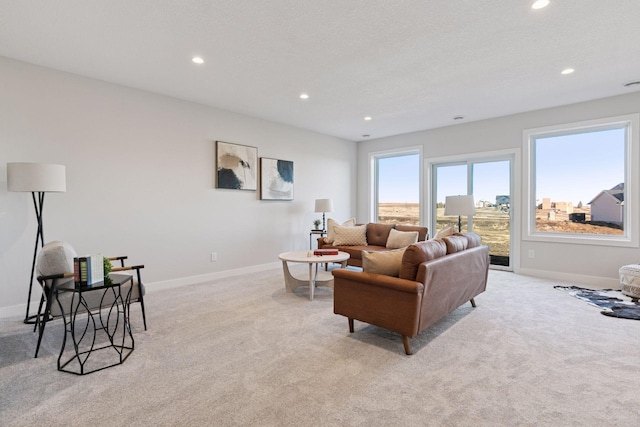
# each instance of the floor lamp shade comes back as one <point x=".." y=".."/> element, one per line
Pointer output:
<point x="38" y="177"/>
<point x="324" y="205"/>
<point x="459" y="205"/>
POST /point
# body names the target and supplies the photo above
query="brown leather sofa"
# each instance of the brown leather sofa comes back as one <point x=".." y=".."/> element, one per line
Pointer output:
<point x="436" y="277"/>
<point x="377" y="235"/>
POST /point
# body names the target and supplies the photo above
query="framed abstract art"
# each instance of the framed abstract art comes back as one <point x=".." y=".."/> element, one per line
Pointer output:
<point x="236" y="166"/>
<point x="276" y="179"/>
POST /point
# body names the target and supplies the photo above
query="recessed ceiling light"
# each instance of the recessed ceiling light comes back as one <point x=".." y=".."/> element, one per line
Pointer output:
<point x="366" y="135"/>
<point x="458" y="118"/>
<point x="539" y="4"/>
<point x="567" y="71"/>
<point x="197" y="60"/>
<point x="633" y="83"/>
<point x="304" y="96"/>
<point x="367" y="118"/>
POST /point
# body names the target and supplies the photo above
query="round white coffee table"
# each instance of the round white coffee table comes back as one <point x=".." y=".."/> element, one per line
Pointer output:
<point x="292" y="283"/>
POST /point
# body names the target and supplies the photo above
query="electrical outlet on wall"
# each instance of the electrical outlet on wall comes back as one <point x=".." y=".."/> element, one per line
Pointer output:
<point x="214" y="256"/>
<point x="532" y="253"/>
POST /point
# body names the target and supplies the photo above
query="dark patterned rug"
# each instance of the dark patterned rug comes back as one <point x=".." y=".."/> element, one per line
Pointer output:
<point x="612" y="302"/>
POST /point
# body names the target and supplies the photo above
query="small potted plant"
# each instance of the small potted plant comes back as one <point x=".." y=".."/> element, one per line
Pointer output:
<point x="316" y="224"/>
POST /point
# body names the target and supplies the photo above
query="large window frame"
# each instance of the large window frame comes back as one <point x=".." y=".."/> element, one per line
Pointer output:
<point x="631" y="124"/>
<point x="513" y="156"/>
<point x="373" y="178"/>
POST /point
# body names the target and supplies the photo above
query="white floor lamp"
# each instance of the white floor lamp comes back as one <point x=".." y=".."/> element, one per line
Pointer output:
<point x="461" y="206"/>
<point x="37" y="178"/>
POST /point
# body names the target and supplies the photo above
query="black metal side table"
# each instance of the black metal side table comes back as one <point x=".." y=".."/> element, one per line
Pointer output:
<point x="322" y="233"/>
<point x="94" y="316"/>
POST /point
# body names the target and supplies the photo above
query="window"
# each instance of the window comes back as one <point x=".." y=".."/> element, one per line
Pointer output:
<point x="487" y="177"/>
<point x="396" y="187"/>
<point x="580" y="181"/>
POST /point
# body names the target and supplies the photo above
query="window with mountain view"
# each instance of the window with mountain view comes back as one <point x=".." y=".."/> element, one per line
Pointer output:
<point x="579" y="180"/>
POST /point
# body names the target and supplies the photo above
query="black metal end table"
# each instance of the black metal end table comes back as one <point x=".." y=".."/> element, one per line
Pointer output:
<point x="110" y="317"/>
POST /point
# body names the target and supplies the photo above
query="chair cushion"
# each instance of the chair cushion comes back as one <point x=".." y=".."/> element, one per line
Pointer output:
<point x="401" y="239"/>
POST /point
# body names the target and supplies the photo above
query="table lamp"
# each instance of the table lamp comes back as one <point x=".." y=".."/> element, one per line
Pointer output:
<point x="324" y="205"/>
<point x="37" y="178"/>
<point x="459" y="205"/>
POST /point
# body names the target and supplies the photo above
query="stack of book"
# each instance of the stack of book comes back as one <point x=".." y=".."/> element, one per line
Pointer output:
<point x="88" y="270"/>
<point x="325" y="252"/>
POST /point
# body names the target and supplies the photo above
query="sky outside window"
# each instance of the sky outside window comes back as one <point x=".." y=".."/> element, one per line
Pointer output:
<point x="399" y="179"/>
<point x="576" y="168"/>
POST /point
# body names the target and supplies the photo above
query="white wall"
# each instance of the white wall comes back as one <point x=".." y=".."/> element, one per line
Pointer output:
<point x="559" y="261"/>
<point x="140" y="170"/>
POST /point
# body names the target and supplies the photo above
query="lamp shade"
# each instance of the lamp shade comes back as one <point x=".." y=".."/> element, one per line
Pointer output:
<point x="324" y="205"/>
<point x="459" y="205"/>
<point x="39" y="177"/>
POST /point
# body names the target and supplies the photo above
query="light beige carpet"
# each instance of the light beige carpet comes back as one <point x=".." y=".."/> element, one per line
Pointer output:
<point x="241" y="351"/>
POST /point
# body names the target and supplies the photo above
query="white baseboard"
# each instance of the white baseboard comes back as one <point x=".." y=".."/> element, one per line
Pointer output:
<point x="203" y="278"/>
<point x="15" y="310"/>
<point x="573" y="279"/>
<point x="18" y="310"/>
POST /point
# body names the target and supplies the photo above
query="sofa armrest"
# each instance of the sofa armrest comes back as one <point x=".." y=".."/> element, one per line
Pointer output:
<point x="379" y="280"/>
<point x="389" y="302"/>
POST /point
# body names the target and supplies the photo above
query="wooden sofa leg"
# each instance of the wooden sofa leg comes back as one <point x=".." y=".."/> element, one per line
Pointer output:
<point x="350" y="325"/>
<point x="473" y="302"/>
<point x="407" y="347"/>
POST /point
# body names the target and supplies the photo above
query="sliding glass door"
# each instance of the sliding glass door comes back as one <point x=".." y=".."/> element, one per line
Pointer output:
<point x="489" y="181"/>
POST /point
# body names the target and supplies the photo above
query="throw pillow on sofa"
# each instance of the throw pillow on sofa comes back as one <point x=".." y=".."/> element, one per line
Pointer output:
<point x="385" y="262"/>
<point x="350" y="236"/>
<point x="401" y="239"/>
<point x="444" y="232"/>
<point x="332" y="223"/>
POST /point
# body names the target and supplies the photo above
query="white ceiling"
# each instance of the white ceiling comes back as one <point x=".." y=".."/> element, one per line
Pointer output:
<point x="411" y="65"/>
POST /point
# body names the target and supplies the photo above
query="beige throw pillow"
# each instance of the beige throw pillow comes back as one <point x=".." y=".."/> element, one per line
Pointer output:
<point x="444" y="232"/>
<point x="350" y="236"/>
<point x="331" y="223"/>
<point x="385" y="262"/>
<point x="401" y="239"/>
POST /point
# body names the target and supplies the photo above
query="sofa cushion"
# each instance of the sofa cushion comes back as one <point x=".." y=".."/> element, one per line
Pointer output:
<point x="473" y="240"/>
<point x="418" y="253"/>
<point x="401" y="239"/>
<point x="422" y="231"/>
<point x="455" y="243"/>
<point x="350" y="236"/>
<point x="385" y="262"/>
<point x="377" y="234"/>
<point x="331" y="223"/>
